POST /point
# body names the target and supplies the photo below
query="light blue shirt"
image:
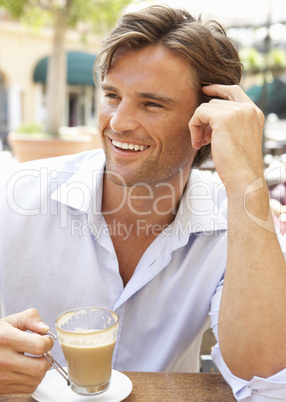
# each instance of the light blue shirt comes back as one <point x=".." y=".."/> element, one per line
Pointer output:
<point x="57" y="254"/>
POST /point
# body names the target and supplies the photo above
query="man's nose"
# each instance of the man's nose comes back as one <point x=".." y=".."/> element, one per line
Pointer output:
<point x="124" y="118"/>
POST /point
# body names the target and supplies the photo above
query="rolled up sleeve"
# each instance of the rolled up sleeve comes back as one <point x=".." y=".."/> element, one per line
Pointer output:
<point x="258" y="389"/>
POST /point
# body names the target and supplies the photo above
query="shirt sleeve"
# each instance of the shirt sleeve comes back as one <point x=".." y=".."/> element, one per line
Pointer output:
<point x="258" y="389"/>
<point x="1" y="217"/>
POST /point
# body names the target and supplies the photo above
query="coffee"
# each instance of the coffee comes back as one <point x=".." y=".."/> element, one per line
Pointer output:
<point x="89" y="365"/>
<point x="87" y="336"/>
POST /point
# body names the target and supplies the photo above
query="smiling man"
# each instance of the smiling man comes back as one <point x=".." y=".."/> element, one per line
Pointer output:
<point x="136" y="227"/>
<point x="149" y="92"/>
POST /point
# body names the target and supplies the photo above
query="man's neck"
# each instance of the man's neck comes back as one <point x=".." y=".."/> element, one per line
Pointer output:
<point x="137" y="215"/>
<point x="154" y="203"/>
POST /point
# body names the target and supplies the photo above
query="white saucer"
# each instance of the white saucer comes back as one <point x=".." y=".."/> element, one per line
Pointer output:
<point x="54" y="388"/>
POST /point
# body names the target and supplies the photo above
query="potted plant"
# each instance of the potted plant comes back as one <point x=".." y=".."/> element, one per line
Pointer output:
<point x="30" y="142"/>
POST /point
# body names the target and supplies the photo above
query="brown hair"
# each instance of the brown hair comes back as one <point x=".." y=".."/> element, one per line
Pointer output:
<point x="212" y="55"/>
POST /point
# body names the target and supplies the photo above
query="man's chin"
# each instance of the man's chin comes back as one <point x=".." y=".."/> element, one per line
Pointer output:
<point x="123" y="182"/>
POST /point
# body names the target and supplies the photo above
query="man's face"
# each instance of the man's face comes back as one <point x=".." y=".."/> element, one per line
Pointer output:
<point x="148" y="100"/>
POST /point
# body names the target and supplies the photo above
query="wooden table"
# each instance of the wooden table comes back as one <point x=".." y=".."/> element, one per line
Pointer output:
<point x="166" y="387"/>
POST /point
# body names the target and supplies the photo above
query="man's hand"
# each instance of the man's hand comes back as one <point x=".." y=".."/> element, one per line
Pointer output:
<point x="251" y="322"/>
<point x="20" y="373"/>
<point x="234" y="127"/>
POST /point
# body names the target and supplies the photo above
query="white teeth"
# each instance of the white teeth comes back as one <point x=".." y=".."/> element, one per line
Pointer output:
<point x="125" y="145"/>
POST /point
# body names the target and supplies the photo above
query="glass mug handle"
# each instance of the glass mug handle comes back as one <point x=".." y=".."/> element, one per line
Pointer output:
<point x="52" y="361"/>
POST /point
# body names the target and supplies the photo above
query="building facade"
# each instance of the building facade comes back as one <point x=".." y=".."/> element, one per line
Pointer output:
<point x="22" y="91"/>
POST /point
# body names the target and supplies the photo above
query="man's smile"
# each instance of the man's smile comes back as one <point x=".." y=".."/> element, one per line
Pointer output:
<point x="126" y="145"/>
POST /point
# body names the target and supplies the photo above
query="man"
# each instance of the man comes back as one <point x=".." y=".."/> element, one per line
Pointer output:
<point x="140" y="231"/>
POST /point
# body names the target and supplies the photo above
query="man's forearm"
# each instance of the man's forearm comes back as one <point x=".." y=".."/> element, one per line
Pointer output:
<point x="252" y="322"/>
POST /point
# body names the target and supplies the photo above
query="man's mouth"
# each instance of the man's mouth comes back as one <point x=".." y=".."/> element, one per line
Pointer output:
<point x="126" y="145"/>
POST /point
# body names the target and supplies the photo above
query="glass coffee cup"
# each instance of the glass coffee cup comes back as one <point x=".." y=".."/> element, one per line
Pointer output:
<point x="87" y="336"/>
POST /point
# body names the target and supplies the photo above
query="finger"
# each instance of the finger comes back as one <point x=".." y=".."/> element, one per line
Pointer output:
<point x="28" y="320"/>
<point x="18" y="383"/>
<point x="33" y="366"/>
<point x="200" y="136"/>
<point x="16" y="388"/>
<point x="200" y="128"/>
<point x="35" y="344"/>
<point x="19" y="341"/>
<point x="25" y="376"/>
<point x="22" y="364"/>
<point x="228" y="92"/>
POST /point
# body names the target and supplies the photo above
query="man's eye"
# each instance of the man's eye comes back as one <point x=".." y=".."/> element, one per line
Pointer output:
<point x="110" y="95"/>
<point x="154" y="104"/>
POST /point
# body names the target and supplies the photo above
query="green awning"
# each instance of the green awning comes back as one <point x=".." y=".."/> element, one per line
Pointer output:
<point x="79" y="66"/>
<point x="272" y="98"/>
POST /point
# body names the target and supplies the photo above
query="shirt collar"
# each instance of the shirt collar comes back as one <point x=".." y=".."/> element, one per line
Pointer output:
<point x="203" y="207"/>
<point x="83" y="191"/>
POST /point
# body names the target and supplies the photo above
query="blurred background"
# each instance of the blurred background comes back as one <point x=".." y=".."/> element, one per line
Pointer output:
<point x="48" y="95"/>
<point x="48" y="47"/>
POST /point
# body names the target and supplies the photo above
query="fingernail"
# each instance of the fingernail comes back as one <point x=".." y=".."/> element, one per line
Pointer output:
<point x="44" y="326"/>
<point x="49" y="334"/>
